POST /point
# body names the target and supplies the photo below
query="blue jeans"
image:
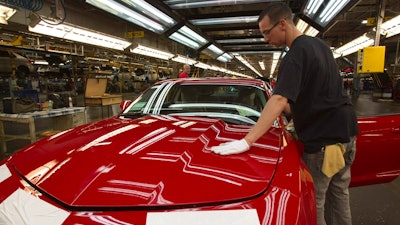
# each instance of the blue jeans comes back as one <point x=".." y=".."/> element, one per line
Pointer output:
<point x="332" y="194"/>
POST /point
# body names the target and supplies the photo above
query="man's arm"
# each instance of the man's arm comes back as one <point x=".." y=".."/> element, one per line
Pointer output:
<point x="274" y="107"/>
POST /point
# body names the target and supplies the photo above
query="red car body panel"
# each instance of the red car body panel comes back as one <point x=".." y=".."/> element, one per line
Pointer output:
<point x="125" y="171"/>
<point x="147" y="164"/>
<point x="378" y="154"/>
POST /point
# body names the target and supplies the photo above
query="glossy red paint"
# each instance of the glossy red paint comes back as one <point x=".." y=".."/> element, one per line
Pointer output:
<point x="377" y="157"/>
<point x="120" y="170"/>
<point x="118" y="162"/>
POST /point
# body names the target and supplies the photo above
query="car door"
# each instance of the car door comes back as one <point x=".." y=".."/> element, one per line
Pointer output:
<point x="378" y="154"/>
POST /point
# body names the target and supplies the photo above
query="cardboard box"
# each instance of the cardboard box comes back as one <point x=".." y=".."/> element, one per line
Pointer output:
<point x="95" y="93"/>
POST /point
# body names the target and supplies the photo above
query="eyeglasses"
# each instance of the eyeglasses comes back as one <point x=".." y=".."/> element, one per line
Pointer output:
<point x="266" y="32"/>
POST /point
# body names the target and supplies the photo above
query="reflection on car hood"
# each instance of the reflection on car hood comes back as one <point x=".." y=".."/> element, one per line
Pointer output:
<point x="151" y="161"/>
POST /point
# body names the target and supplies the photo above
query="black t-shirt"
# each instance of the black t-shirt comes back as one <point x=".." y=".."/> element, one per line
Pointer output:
<point x="309" y="78"/>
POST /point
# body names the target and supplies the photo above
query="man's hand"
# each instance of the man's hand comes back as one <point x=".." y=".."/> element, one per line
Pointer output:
<point x="233" y="147"/>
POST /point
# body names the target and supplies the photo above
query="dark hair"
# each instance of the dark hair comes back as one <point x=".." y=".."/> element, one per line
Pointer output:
<point x="276" y="11"/>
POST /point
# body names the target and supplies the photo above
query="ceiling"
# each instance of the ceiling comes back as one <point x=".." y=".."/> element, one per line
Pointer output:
<point x="344" y="28"/>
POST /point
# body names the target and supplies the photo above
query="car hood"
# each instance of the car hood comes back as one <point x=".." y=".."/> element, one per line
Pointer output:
<point x="148" y="162"/>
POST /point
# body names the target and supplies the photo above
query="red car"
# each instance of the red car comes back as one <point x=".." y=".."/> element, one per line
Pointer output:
<point x="152" y="163"/>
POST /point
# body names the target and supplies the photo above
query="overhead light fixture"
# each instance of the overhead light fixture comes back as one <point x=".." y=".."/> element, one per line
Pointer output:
<point x="143" y="50"/>
<point x="391" y="27"/>
<point x="215" y="49"/>
<point x="225" y="57"/>
<point x="224" y="20"/>
<point x="139" y="12"/>
<point x="311" y="31"/>
<point x="306" y="28"/>
<point x="188" y="37"/>
<point x="262" y="65"/>
<point x="353" y="46"/>
<point x="323" y="11"/>
<point x="184" y="60"/>
<point x="219" y="69"/>
<point x="241" y="41"/>
<point x="185" y="4"/>
<point x="275" y="60"/>
<point x="202" y="65"/>
<point x="6" y="13"/>
<point x="242" y="60"/>
<point x="79" y="34"/>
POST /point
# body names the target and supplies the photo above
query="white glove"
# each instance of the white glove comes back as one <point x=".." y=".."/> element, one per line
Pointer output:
<point x="233" y="147"/>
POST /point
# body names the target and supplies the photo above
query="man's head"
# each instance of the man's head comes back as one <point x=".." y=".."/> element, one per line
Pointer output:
<point x="275" y="22"/>
<point x="186" y="68"/>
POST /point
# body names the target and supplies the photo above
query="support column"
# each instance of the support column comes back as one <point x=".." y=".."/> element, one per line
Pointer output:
<point x="379" y="19"/>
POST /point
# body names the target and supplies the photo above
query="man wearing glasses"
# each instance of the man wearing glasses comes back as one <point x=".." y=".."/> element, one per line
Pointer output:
<point x="310" y="88"/>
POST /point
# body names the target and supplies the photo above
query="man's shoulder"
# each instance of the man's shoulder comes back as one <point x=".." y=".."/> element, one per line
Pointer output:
<point x="302" y="39"/>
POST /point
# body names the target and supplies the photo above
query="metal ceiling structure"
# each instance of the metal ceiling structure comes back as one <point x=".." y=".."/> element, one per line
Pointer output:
<point x="232" y="35"/>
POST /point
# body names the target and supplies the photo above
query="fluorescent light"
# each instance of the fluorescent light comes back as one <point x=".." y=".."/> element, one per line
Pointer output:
<point x="188" y="37"/>
<point x="353" y="46"/>
<point x="184" y="40"/>
<point x="322" y="12"/>
<point x="391" y="27"/>
<point x="312" y="6"/>
<point x="137" y="17"/>
<point x="240" y="40"/>
<point x="185" y="4"/>
<point x="311" y="31"/>
<point x="148" y="9"/>
<point x="192" y="35"/>
<point x="142" y="50"/>
<point x="202" y="65"/>
<point x="225" y="57"/>
<point x="306" y="28"/>
<point x="241" y="59"/>
<point x="262" y="65"/>
<point x="222" y="59"/>
<point x="275" y="60"/>
<point x="220" y="69"/>
<point x="331" y="10"/>
<point x="388" y="28"/>
<point x="301" y="25"/>
<point x="6" y="13"/>
<point x="251" y="52"/>
<point x="228" y="56"/>
<point x="215" y="49"/>
<point x="75" y="33"/>
<point x="225" y="20"/>
<point x="184" y="60"/>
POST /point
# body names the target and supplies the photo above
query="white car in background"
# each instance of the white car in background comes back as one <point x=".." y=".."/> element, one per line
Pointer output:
<point x="23" y="66"/>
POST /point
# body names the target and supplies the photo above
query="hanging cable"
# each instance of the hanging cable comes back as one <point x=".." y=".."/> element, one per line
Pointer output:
<point x="32" y="5"/>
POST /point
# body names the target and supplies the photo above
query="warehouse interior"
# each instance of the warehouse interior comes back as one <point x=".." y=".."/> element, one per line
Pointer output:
<point x="228" y="33"/>
<point x="71" y="62"/>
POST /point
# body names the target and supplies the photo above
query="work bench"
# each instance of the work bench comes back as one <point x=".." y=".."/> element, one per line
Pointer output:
<point x="61" y="119"/>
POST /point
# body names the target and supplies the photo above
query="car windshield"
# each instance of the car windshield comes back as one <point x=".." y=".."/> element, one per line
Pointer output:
<point x="234" y="103"/>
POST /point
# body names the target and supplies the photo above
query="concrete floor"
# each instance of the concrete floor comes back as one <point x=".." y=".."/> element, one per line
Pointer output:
<point x="371" y="205"/>
<point x="375" y="204"/>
